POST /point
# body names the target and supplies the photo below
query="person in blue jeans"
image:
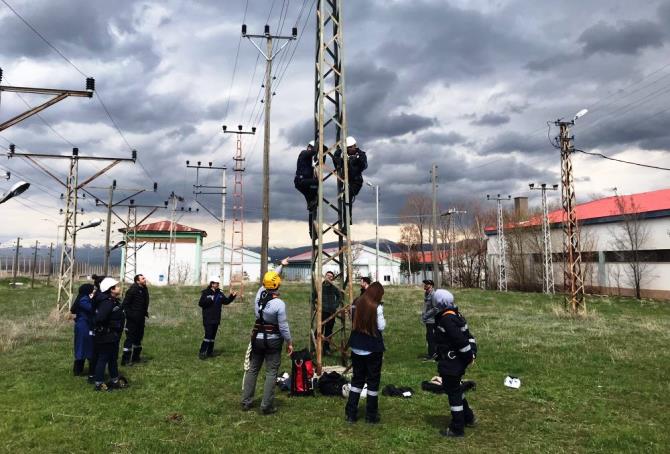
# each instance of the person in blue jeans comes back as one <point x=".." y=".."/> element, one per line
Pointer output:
<point x="367" y="352"/>
<point x="109" y="323"/>
<point x="84" y="324"/>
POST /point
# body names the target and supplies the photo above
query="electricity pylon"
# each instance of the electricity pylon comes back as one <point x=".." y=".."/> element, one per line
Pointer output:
<point x="502" y="245"/>
<point x="547" y="259"/>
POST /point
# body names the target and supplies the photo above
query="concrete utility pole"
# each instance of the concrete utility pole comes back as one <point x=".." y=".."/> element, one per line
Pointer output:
<point x="502" y="246"/>
<point x="197" y="190"/>
<point x="236" y="280"/>
<point x="437" y="275"/>
<point x="51" y="267"/>
<point x="547" y="259"/>
<point x="573" y="277"/>
<point x="269" y="55"/>
<point x="72" y="186"/>
<point x="32" y="277"/>
<point x="16" y="262"/>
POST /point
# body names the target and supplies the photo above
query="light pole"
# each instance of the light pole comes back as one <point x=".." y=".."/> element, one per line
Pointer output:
<point x="16" y="189"/>
<point x="376" y="188"/>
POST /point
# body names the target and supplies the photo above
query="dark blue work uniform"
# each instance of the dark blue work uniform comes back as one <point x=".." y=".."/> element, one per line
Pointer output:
<point x="211" y="302"/>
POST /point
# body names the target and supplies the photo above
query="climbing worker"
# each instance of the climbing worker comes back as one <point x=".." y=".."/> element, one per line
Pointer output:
<point x="367" y="351"/>
<point x="456" y="349"/>
<point x="270" y="331"/>
<point x="428" y="317"/>
<point x="304" y="180"/>
<point x="136" y="307"/>
<point x="212" y="300"/>
<point x="109" y="322"/>
<point x="84" y="324"/>
<point x="358" y="162"/>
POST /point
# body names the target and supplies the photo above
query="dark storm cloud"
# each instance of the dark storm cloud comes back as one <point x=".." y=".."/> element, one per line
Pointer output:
<point x="491" y="119"/>
<point x="439" y="138"/>
<point x="626" y="37"/>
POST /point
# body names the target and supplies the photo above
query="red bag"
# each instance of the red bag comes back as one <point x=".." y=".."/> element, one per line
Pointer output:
<point x="302" y="373"/>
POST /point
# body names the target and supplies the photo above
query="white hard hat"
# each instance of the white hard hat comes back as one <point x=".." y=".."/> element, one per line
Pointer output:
<point x="107" y="283"/>
<point x="350" y="141"/>
<point x="311" y="143"/>
<point x="216" y="279"/>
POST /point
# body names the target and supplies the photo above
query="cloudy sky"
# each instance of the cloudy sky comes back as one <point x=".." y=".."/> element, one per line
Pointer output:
<point x="468" y="85"/>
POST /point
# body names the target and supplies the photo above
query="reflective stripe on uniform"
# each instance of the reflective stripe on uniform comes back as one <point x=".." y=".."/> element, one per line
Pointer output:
<point x="208" y="340"/>
<point x="457" y="408"/>
<point x="353" y="389"/>
<point x="464" y="328"/>
<point x="125" y="349"/>
<point x="373" y="393"/>
<point x="467" y="348"/>
<point x="472" y="340"/>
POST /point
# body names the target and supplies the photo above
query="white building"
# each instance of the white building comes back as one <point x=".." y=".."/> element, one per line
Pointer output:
<point x="364" y="259"/>
<point x="211" y="264"/>
<point x="152" y="249"/>
<point x="606" y="261"/>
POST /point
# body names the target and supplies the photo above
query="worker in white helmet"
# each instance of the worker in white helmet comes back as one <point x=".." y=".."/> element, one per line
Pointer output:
<point x="358" y="162"/>
<point x="305" y="180"/>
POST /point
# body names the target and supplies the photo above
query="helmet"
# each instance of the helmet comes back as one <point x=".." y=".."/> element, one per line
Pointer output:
<point x="108" y="283"/>
<point x="271" y="280"/>
<point x="350" y="142"/>
<point x="216" y="279"/>
<point x="311" y="144"/>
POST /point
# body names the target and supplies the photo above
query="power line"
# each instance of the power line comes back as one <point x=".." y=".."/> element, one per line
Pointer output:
<point x="621" y="160"/>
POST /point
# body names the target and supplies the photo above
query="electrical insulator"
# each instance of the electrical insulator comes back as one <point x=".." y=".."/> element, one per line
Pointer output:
<point x="132" y="201"/>
<point x="224" y="128"/>
<point x="75" y="152"/>
<point x="198" y="163"/>
<point x="294" y="32"/>
<point x="239" y="127"/>
<point x="0" y="74"/>
<point x="244" y="29"/>
<point x="90" y="84"/>
<point x="114" y="183"/>
<point x="155" y="186"/>
<point x="210" y="164"/>
<point x="12" y="148"/>
<point x="267" y="29"/>
<point x="134" y="155"/>
<point x="253" y="129"/>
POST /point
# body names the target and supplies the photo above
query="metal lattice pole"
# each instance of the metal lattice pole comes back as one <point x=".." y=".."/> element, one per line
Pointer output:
<point x="332" y="216"/>
<point x="502" y="245"/>
<point x="67" y="263"/>
<point x="547" y="258"/>
<point x="172" y="253"/>
<point x="573" y="278"/>
<point x="130" y="251"/>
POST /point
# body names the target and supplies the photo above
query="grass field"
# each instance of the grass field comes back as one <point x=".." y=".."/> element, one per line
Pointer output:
<point x="599" y="384"/>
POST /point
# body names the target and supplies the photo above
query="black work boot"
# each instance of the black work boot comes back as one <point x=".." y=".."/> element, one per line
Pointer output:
<point x="125" y="358"/>
<point x="372" y="409"/>
<point x="136" y="354"/>
<point x="351" y="409"/>
<point x="210" y="349"/>
<point x="203" y="350"/>
<point x="78" y="367"/>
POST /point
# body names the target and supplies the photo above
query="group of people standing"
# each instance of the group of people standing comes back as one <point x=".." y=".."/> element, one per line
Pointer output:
<point x="100" y="319"/>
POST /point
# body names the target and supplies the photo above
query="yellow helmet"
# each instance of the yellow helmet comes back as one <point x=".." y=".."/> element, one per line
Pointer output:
<point x="271" y="280"/>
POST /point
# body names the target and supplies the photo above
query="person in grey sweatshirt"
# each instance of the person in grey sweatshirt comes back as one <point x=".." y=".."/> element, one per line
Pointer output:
<point x="428" y="317"/>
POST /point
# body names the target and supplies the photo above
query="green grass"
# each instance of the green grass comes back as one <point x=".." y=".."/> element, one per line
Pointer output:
<point x="599" y="384"/>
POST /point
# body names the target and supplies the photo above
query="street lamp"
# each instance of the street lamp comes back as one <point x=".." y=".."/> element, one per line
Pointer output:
<point x="94" y="223"/>
<point x="117" y="245"/>
<point x="376" y="188"/>
<point x="16" y="189"/>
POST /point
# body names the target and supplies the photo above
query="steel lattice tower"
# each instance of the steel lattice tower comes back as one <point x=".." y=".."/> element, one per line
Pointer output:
<point x="547" y="259"/>
<point x="237" y="240"/>
<point x="67" y="262"/>
<point x="573" y="278"/>
<point x="130" y="252"/>
<point x="330" y="219"/>
<point x="502" y="245"/>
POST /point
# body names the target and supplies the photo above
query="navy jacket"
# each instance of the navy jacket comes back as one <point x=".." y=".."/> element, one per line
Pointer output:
<point x="109" y="319"/>
<point x="211" y="303"/>
<point x="456" y="347"/>
<point x="358" y="162"/>
<point x="362" y="341"/>
<point x="304" y="168"/>
<point x="136" y="302"/>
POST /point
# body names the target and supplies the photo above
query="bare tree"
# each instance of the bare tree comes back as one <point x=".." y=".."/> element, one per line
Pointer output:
<point x="629" y="240"/>
<point x="417" y="211"/>
<point x="409" y="240"/>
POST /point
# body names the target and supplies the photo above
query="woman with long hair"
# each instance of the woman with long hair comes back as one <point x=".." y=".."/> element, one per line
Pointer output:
<point x="367" y="351"/>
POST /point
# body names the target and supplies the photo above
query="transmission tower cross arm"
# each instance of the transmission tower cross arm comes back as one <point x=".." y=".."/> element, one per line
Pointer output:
<point x="58" y="95"/>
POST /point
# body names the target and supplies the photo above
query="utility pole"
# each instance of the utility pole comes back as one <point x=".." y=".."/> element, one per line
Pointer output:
<point x="51" y="252"/>
<point x="72" y="186"/>
<point x="269" y="55"/>
<point x="16" y="262"/>
<point x="451" y="233"/>
<point x="236" y="280"/>
<point x="547" y="259"/>
<point x="108" y="229"/>
<point x="32" y="277"/>
<point x="376" y="188"/>
<point x="437" y="275"/>
<point x="174" y="198"/>
<point x="502" y="246"/>
<point x="573" y="278"/>
<point x="197" y="190"/>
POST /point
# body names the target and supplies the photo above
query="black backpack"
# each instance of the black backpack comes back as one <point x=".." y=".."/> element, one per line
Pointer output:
<point x="330" y="384"/>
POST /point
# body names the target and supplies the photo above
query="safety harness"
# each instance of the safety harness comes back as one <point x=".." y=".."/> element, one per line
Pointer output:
<point x="260" y="326"/>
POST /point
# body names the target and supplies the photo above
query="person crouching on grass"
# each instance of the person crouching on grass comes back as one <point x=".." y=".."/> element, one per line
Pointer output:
<point x="367" y="351"/>
<point x="212" y="301"/>
<point x="109" y="323"/>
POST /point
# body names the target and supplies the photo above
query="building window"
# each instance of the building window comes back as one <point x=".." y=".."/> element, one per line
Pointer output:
<point x="387" y="278"/>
